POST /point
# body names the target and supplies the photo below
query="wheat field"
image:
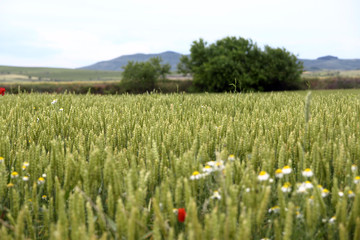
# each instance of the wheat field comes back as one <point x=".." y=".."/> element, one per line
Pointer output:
<point x="180" y="166"/>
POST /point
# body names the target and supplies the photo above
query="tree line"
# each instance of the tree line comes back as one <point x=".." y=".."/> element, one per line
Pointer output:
<point x="228" y="65"/>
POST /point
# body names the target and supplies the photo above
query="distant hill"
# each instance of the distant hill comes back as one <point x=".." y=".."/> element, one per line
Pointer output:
<point x="331" y="63"/>
<point x="328" y="57"/>
<point x="116" y="64"/>
<point x="173" y="58"/>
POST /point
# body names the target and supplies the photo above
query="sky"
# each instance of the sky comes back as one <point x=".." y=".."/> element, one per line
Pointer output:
<point x="78" y="33"/>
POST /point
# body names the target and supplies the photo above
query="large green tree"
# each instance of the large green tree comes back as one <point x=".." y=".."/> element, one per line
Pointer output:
<point x="239" y="64"/>
<point x="140" y="77"/>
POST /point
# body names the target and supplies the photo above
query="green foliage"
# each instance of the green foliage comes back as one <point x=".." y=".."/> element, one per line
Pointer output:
<point x="115" y="167"/>
<point x="165" y="86"/>
<point x="142" y="76"/>
<point x="184" y="65"/>
<point x="234" y="61"/>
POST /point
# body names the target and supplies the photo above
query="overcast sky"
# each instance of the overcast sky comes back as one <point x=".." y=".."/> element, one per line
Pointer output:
<point x="77" y="33"/>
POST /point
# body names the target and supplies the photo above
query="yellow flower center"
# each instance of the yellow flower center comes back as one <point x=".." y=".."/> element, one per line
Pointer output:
<point x="194" y="174"/>
<point x="262" y="173"/>
<point x="286" y="185"/>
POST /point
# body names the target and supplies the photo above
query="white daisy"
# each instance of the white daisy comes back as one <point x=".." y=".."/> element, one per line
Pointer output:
<point x="195" y="175"/>
<point x="357" y="179"/>
<point x="263" y="176"/>
<point x="274" y="209"/>
<point x="325" y="192"/>
<point x="286" y="170"/>
<point x="307" y="172"/>
<point x="351" y="194"/>
<point x="207" y="169"/>
<point x="279" y="173"/>
<point x="286" y="187"/>
<point x="332" y="220"/>
<point x="216" y="195"/>
<point x="308" y="185"/>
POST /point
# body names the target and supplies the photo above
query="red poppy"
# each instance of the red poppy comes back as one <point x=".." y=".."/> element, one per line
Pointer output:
<point x="2" y="91"/>
<point x="181" y="214"/>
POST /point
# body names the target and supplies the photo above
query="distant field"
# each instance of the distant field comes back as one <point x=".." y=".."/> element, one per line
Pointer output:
<point x="41" y="75"/>
<point x="80" y="80"/>
<point x="34" y="74"/>
<point x="332" y="74"/>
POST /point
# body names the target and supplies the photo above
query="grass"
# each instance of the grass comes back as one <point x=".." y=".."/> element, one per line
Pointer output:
<point x="331" y="74"/>
<point x="34" y="75"/>
<point x="123" y="166"/>
<point x="38" y="75"/>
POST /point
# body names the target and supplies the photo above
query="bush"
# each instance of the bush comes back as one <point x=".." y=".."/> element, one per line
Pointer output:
<point x="140" y="77"/>
<point x="239" y="64"/>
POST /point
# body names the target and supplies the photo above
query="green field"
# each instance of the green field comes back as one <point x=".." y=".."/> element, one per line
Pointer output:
<point x="35" y="75"/>
<point x="55" y="75"/>
<point x="243" y="166"/>
<point x="332" y="74"/>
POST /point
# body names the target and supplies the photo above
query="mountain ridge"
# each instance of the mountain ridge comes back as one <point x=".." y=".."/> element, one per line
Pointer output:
<point x="116" y="64"/>
<point x="173" y="58"/>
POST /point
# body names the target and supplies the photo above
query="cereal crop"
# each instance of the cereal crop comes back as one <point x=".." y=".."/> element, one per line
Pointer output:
<point x="180" y="166"/>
